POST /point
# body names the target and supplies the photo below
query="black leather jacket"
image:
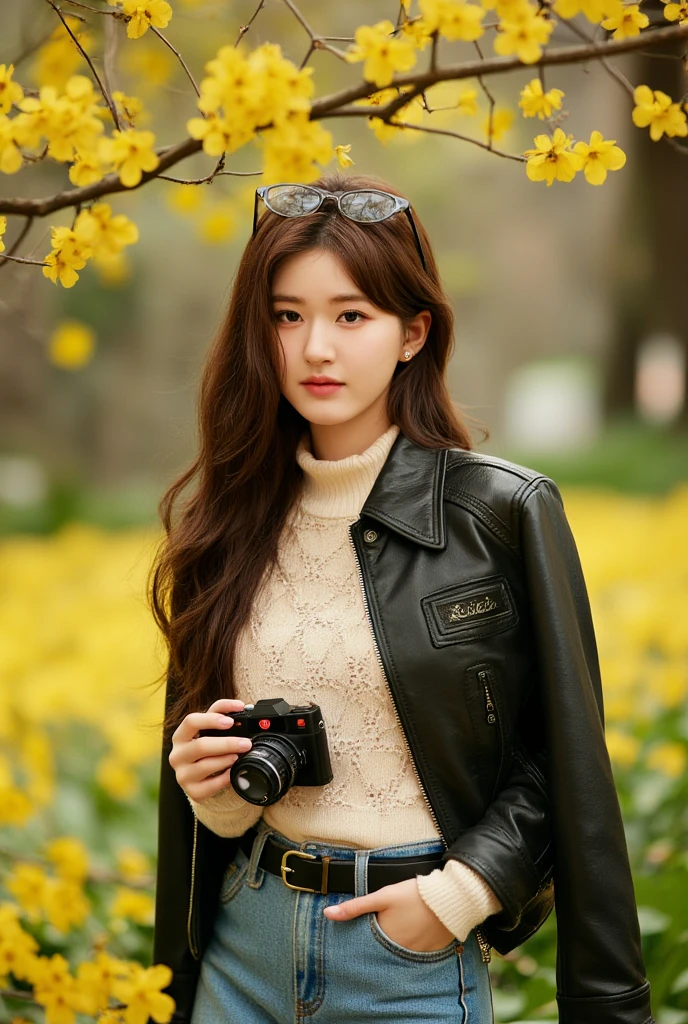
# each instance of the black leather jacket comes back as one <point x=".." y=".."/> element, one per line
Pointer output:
<point x="481" y="621"/>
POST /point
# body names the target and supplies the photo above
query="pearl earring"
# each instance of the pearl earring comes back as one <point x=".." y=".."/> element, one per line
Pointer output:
<point x="407" y="355"/>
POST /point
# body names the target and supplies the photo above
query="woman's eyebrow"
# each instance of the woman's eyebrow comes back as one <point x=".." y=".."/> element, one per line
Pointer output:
<point x="351" y="297"/>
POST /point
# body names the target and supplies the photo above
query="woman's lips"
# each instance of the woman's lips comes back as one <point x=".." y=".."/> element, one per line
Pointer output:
<point x="322" y="389"/>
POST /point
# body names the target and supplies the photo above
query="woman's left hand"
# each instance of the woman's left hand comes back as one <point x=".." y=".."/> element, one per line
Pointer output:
<point x="402" y="914"/>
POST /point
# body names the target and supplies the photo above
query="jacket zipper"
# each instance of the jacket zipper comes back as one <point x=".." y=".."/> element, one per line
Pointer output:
<point x="192" y="944"/>
<point x="490" y="710"/>
<point x="485" y="954"/>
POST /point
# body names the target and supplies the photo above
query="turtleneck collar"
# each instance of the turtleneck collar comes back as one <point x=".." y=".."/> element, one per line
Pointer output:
<point x="337" y="488"/>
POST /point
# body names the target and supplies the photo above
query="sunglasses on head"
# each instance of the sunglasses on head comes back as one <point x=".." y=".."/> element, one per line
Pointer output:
<point x="363" y="205"/>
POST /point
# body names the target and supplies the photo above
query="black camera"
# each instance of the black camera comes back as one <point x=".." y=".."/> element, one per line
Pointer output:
<point x="289" y="749"/>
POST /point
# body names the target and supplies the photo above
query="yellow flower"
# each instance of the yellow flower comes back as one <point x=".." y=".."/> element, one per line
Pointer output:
<point x="599" y="155"/>
<point x="56" y="990"/>
<point x="185" y="198"/>
<point x="623" y="749"/>
<point x="131" y="152"/>
<point x="95" y="979"/>
<point x="17" y="947"/>
<point x="10" y="92"/>
<point x="65" y="904"/>
<point x="3" y="229"/>
<point x="416" y="31"/>
<point x="502" y="119"/>
<point x="535" y="102"/>
<point x="411" y="113"/>
<point x="382" y="52"/>
<point x="523" y="33"/>
<point x="220" y="134"/>
<point x="657" y="110"/>
<point x="594" y="10"/>
<point x="106" y="234"/>
<point x="453" y="19"/>
<point x="627" y="23"/>
<point x="218" y="223"/>
<point x="676" y="12"/>
<point x="668" y="758"/>
<point x="86" y="169"/>
<point x="11" y="159"/>
<point x="141" y="992"/>
<point x="552" y="158"/>
<point x="71" y="345"/>
<point x="129" y="107"/>
<point x="28" y="884"/>
<point x="292" y="150"/>
<point x="132" y="864"/>
<point x="143" y="15"/>
<point x="15" y="806"/>
<point x="68" y="854"/>
<point x="137" y="906"/>
<point x="116" y="778"/>
<point x="342" y="154"/>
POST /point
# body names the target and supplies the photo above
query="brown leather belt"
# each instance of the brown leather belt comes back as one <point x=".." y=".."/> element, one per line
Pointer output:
<point x="311" y="872"/>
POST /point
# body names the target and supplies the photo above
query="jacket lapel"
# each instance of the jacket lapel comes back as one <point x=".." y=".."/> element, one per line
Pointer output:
<point x="407" y="493"/>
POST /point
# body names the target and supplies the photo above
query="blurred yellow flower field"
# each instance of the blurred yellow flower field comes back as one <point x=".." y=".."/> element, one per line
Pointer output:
<point x="80" y="744"/>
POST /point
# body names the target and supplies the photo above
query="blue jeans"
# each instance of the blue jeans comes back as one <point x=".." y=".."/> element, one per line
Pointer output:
<point x="274" y="958"/>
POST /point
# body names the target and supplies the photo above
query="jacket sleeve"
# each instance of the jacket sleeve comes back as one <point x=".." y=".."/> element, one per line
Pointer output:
<point x="600" y="971"/>
<point x="175" y="843"/>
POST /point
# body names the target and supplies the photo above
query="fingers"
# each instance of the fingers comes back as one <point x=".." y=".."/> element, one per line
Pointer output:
<point x="213" y="718"/>
<point x="353" y="907"/>
<point x="201" y="762"/>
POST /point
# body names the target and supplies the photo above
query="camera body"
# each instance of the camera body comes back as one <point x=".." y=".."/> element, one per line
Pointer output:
<point x="289" y="749"/>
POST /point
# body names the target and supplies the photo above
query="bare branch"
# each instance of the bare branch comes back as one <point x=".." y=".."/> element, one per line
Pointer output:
<point x="17" y="242"/>
<point x="457" y="135"/>
<point x="179" y="57"/>
<point x="109" y="185"/>
<point x="111" y="106"/>
<point x="244" y="28"/>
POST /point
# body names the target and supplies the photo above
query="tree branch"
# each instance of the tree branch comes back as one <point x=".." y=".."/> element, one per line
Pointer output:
<point x="111" y="106"/>
<point x="335" y="104"/>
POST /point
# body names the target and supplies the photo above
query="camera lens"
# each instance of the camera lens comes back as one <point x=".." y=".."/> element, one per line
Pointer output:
<point x="267" y="771"/>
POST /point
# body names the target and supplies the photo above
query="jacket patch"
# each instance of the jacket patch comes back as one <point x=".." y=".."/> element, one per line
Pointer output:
<point x="464" y="611"/>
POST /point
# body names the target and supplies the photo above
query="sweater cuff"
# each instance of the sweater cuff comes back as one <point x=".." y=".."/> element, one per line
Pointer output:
<point x="226" y="813"/>
<point x="459" y="896"/>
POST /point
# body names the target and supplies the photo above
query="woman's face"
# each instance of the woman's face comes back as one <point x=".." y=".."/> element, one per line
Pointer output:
<point x="328" y="328"/>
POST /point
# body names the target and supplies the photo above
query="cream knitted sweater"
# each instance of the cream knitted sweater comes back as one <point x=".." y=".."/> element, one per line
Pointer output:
<point x="308" y="639"/>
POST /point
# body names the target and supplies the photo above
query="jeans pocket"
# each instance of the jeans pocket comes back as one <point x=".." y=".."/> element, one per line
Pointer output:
<point x="403" y="952"/>
<point x="234" y="876"/>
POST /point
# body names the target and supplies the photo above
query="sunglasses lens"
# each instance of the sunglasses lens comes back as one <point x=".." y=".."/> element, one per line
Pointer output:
<point x="291" y="200"/>
<point x="367" y="206"/>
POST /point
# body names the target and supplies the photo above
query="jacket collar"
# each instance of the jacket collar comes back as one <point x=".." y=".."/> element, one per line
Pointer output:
<point x="407" y="493"/>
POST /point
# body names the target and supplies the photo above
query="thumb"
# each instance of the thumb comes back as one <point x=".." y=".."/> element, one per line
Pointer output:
<point x="353" y="907"/>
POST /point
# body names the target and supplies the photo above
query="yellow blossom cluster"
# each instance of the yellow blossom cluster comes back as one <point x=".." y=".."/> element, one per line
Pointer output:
<point x="243" y="93"/>
<point x="63" y="994"/>
<point x="78" y="638"/>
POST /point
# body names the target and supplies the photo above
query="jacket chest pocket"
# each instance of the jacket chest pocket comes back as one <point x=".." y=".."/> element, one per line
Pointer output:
<point x="486" y="711"/>
<point x="467" y="611"/>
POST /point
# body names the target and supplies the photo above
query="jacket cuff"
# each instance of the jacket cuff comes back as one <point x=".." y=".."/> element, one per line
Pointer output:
<point x="226" y="813"/>
<point x="459" y="896"/>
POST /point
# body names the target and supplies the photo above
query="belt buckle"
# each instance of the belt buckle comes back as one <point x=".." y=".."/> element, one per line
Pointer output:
<point x="311" y="856"/>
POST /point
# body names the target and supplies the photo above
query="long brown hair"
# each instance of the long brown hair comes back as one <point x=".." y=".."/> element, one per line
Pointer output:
<point x="210" y="563"/>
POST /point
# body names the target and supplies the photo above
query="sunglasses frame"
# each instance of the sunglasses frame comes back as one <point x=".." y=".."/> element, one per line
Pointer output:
<point x="399" y="204"/>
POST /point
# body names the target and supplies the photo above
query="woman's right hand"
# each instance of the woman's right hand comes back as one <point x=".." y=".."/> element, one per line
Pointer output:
<point x="201" y="762"/>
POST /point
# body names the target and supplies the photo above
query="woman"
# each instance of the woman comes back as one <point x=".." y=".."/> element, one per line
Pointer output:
<point x="345" y="547"/>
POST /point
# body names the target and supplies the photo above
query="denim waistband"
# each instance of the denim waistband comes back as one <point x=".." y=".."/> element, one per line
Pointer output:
<point x="343" y="852"/>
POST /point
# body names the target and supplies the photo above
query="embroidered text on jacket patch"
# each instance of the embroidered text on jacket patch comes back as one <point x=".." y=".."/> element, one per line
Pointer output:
<point x="464" y="611"/>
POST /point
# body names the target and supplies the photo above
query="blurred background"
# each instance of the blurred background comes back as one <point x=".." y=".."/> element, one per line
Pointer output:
<point x="571" y="349"/>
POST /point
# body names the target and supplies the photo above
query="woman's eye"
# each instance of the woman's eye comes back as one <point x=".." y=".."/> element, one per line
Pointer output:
<point x="352" y="313"/>
<point x="290" y="316"/>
